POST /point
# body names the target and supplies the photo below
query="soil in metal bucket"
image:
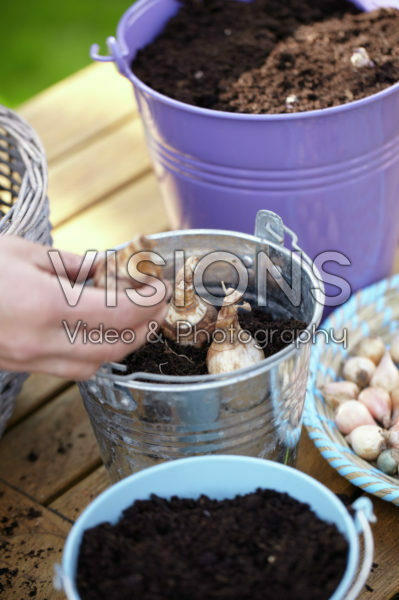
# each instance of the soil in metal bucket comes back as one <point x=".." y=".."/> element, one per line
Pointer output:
<point x="272" y="56"/>
<point x="168" y="358"/>
<point x="260" y="546"/>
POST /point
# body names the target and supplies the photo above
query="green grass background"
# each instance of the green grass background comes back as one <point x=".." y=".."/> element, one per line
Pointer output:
<point x="43" y="41"/>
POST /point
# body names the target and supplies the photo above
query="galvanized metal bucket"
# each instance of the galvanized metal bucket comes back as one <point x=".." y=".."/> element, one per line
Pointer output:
<point x="142" y="419"/>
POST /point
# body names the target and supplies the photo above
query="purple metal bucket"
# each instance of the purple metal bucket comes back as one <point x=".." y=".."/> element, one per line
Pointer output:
<point x="331" y="174"/>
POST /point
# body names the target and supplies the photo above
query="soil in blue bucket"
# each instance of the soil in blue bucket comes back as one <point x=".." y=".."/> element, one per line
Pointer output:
<point x="261" y="546"/>
<point x="272" y="56"/>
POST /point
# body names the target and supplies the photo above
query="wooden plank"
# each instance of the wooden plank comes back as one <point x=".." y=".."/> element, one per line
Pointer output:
<point x="310" y="461"/>
<point x="75" y="500"/>
<point x="78" y="108"/>
<point x="35" y="392"/>
<point x="384" y="580"/>
<point x="137" y="208"/>
<point x="97" y="170"/>
<point x="50" y="451"/>
<point x="31" y="541"/>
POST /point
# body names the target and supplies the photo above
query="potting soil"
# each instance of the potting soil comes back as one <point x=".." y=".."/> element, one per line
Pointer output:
<point x="260" y="546"/>
<point x="162" y="356"/>
<point x="271" y="56"/>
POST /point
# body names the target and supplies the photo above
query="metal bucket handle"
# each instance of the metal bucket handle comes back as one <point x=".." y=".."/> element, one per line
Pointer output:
<point x="364" y="515"/>
<point x="116" y="54"/>
<point x="269" y="226"/>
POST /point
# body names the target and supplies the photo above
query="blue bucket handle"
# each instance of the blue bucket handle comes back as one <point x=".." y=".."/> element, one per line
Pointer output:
<point x="364" y="515"/>
<point x="115" y="55"/>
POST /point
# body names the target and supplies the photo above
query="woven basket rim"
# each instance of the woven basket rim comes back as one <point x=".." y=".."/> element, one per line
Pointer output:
<point x="23" y="189"/>
<point x="340" y="456"/>
<point x="22" y="216"/>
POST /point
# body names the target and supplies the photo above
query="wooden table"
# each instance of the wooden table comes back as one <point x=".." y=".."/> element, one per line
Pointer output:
<point x="101" y="184"/>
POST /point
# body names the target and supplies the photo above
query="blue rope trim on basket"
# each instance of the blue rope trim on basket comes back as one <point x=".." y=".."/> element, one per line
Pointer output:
<point x="340" y="456"/>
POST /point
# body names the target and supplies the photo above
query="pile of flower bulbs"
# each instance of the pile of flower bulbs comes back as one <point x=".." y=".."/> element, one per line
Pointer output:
<point x="366" y="404"/>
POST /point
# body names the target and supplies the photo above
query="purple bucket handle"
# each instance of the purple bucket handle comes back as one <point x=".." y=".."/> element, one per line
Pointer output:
<point x="116" y="55"/>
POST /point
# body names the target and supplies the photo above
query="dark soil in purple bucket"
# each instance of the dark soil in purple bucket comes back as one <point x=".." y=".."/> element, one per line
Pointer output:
<point x="261" y="546"/>
<point x="271" y="56"/>
<point x="168" y="358"/>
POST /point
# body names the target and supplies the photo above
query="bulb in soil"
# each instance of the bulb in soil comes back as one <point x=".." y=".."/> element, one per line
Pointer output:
<point x="372" y="348"/>
<point x="386" y="375"/>
<point x="379" y="403"/>
<point x="361" y="59"/>
<point x="190" y="320"/>
<point x="352" y="414"/>
<point x="337" y="392"/>
<point x="138" y="255"/>
<point x="367" y="441"/>
<point x="233" y="348"/>
<point x="359" y="370"/>
<point x="395" y="348"/>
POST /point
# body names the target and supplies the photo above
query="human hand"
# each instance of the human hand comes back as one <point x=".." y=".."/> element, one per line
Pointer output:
<point x="33" y="307"/>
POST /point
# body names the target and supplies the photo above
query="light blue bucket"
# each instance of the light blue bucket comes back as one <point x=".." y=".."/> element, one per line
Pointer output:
<point x="224" y="477"/>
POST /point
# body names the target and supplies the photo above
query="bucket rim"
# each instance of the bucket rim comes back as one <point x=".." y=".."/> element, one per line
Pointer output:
<point x="169" y="383"/>
<point x="72" y="544"/>
<point x="141" y="6"/>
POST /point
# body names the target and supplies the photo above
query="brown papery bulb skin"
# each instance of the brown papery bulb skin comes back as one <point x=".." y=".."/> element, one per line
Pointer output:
<point x="372" y="348"/>
<point x="190" y="320"/>
<point x="106" y="268"/>
<point x="236" y="350"/>
<point x="379" y="403"/>
<point x="359" y="370"/>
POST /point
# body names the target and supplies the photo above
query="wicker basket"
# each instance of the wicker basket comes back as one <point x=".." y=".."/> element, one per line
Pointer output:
<point x="373" y="311"/>
<point x="24" y="210"/>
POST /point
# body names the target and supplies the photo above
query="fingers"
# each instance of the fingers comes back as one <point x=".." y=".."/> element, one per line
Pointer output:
<point x="77" y="362"/>
<point x="91" y="308"/>
<point x="33" y="308"/>
<point x="102" y="343"/>
<point x="60" y="367"/>
<point x="76" y="342"/>
<point x="70" y="264"/>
